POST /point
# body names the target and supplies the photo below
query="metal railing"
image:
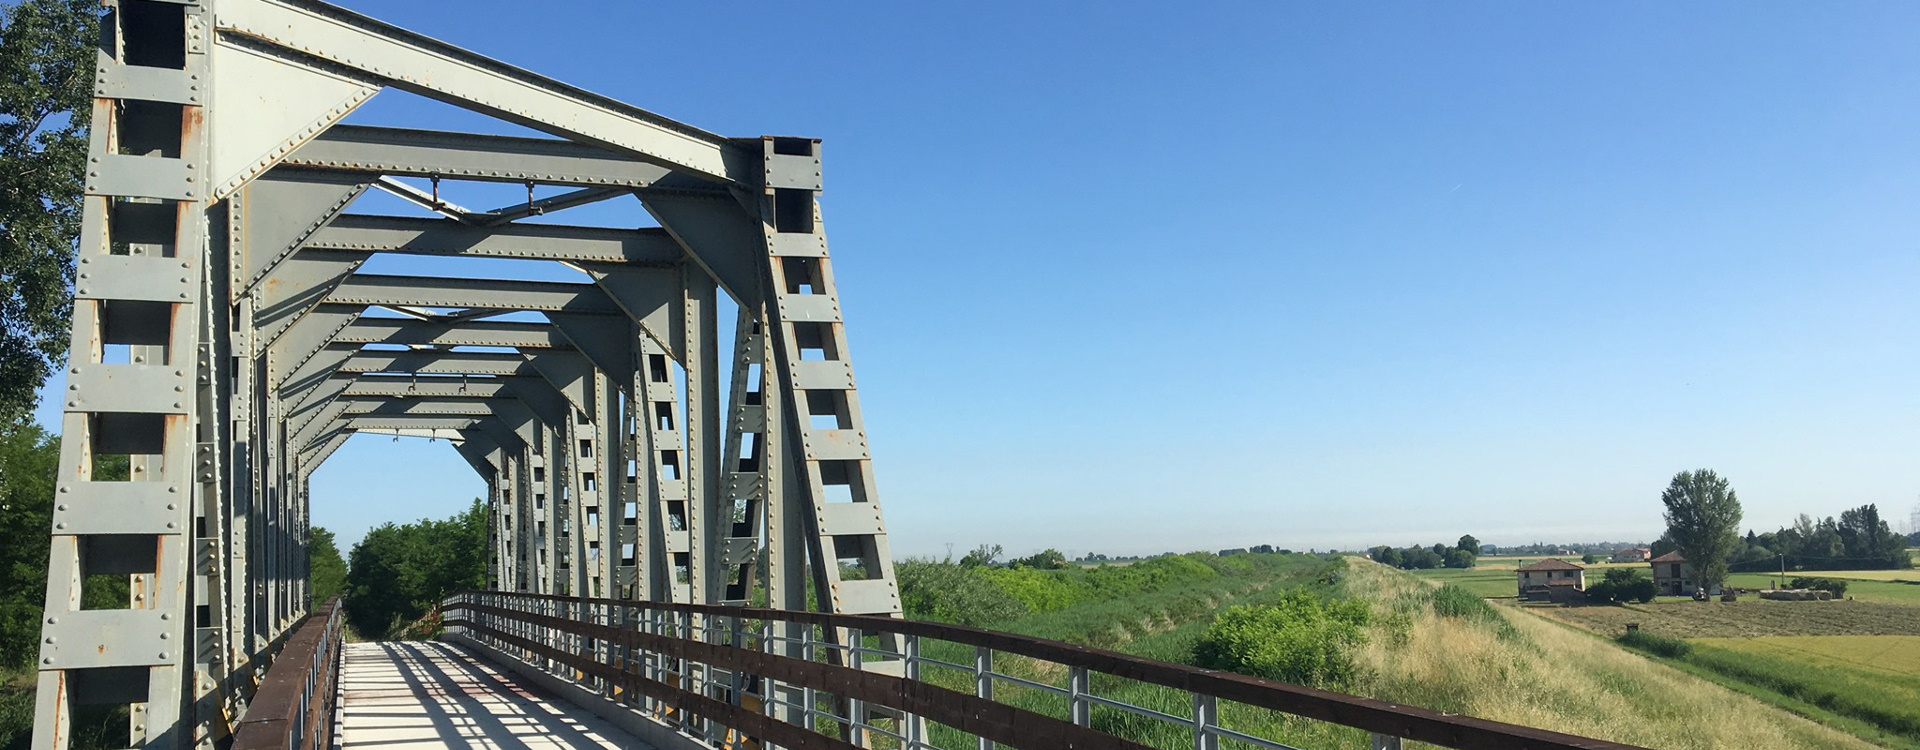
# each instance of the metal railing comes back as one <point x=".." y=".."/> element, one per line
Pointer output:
<point x="293" y="708"/>
<point x="804" y="679"/>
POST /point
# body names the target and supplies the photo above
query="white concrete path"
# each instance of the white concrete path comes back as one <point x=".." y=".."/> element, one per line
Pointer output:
<point x="405" y="695"/>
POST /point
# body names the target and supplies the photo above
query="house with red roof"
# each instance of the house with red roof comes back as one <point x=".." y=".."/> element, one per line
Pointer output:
<point x="1553" y="580"/>
<point x="1674" y="576"/>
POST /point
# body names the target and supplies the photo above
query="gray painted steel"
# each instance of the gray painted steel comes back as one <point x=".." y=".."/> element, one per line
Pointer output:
<point x="226" y="341"/>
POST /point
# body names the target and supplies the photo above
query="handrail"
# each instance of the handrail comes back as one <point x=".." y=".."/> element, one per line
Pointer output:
<point x="293" y="708"/>
<point x="621" y="644"/>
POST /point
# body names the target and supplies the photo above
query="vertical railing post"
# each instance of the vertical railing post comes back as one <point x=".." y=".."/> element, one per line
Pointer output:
<point x="1080" y="709"/>
<point x="910" y="668"/>
<point x="1205" y="718"/>
<point x="856" y="641"/>
<point x="983" y="682"/>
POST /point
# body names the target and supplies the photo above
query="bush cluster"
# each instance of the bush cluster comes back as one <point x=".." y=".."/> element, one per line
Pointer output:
<point x="973" y="593"/>
<point x="1422" y="558"/>
<point x="1658" y="645"/>
<point x="1835" y="585"/>
<point x="1622" y="585"/>
<point x="1302" y="638"/>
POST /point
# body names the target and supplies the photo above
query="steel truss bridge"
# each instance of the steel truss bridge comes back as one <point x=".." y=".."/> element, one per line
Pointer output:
<point x="643" y="483"/>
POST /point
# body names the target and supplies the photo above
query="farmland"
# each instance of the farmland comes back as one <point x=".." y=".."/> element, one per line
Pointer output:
<point x="1890" y="654"/>
<point x="1748" y="618"/>
<point x="1884" y="586"/>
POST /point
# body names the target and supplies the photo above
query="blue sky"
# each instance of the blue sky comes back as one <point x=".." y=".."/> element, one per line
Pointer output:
<point x="1179" y="276"/>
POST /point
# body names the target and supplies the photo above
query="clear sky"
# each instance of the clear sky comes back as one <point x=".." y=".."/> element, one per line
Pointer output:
<point x="1140" y="277"/>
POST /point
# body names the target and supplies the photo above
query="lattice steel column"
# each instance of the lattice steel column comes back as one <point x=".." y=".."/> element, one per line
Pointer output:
<point x="811" y="348"/>
<point x="132" y="386"/>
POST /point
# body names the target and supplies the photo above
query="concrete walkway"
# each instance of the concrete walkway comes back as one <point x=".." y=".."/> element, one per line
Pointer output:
<point x="404" y="695"/>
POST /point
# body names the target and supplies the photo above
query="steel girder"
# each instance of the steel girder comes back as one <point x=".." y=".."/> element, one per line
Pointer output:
<point x="226" y="342"/>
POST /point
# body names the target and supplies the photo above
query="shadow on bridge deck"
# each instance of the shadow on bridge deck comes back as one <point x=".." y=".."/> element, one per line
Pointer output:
<point x="400" y="695"/>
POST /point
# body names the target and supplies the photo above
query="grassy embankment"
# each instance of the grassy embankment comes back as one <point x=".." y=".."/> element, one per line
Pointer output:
<point x="1854" y="665"/>
<point x="1425" y="647"/>
<point x="1559" y="678"/>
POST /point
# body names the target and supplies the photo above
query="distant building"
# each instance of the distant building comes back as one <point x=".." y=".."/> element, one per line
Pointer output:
<point x="1488" y="549"/>
<point x="1637" y="554"/>
<point x="1552" y="579"/>
<point x="1674" y="576"/>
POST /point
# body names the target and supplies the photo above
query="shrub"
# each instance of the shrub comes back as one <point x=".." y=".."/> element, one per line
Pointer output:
<point x="1622" y="585"/>
<point x="1658" y="645"/>
<point x="1838" y="587"/>
<point x="950" y="592"/>
<point x="1301" y="638"/>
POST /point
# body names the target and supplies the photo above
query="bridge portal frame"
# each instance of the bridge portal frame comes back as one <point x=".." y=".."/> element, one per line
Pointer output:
<point x="226" y="344"/>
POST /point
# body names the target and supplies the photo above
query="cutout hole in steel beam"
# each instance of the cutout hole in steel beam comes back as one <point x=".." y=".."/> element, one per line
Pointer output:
<point x="669" y="465"/>
<point x="134" y="332"/>
<point x="816" y="341"/>
<point x="143" y="128"/>
<point x="793" y="210"/>
<point x="143" y="226"/>
<point x="827" y="410"/>
<point x="749" y="458"/>
<point x="107" y="563"/>
<point x="754" y="383"/>
<point x="843" y="482"/>
<point x="126" y="447"/>
<point x="793" y="146"/>
<point x="657" y="368"/>
<point x="802" y="275"/>
<point x="153" y="33"/>
<point x="856" y="559"/>
<point x="663" y="416"/>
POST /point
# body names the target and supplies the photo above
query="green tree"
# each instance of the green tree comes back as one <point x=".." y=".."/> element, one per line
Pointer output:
<point x="29" y="458"/>
<point x="1468" y="544"/>
<point x="47" y="52"/>
<point x="326" y="570"/>
<point x="398" y="573"/>
<point x="1049" y="559"/>
<point x="981" y="555"/>
<point x="1703" y="520"/>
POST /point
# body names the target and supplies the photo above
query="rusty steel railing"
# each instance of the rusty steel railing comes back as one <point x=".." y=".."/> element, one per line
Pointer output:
<point x="293" y="708"/>
<point x="727" y="675"/>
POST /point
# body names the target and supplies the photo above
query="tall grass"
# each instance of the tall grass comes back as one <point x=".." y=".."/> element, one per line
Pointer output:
<point x="1554" y="677"/>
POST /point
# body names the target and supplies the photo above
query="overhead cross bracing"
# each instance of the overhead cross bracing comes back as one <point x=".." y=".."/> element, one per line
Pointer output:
<point x="230" y="335"/>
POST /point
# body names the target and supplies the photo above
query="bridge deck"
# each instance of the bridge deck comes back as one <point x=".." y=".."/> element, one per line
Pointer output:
<point x="420" y="696"/>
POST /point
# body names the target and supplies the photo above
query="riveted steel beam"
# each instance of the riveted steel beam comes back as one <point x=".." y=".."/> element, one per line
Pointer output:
<point x="421" y="65"/>
<point x="489" y="158"/>
<point x="493" y="294"/>
<point x="416" y="236"/>
<point x="435" y="362"/>
<point x="465" y="332"/>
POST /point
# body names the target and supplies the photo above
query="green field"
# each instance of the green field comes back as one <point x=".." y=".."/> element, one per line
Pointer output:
<point x="1863" y="585"/>
<point x="1864" y="680"/>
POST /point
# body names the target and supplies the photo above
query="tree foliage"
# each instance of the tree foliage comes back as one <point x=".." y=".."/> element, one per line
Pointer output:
<point x="1049" y="559"/>
<point x="326" y="570"/>
<point x="1622" y="585"/>
<point x="398" y="573"/>
<point x="982" y="555"/>
<point x="47" y="50"/>
<point x="29" y="458"/>
<point x="1422" y="558"/>
<point x="1703" y="520"/>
